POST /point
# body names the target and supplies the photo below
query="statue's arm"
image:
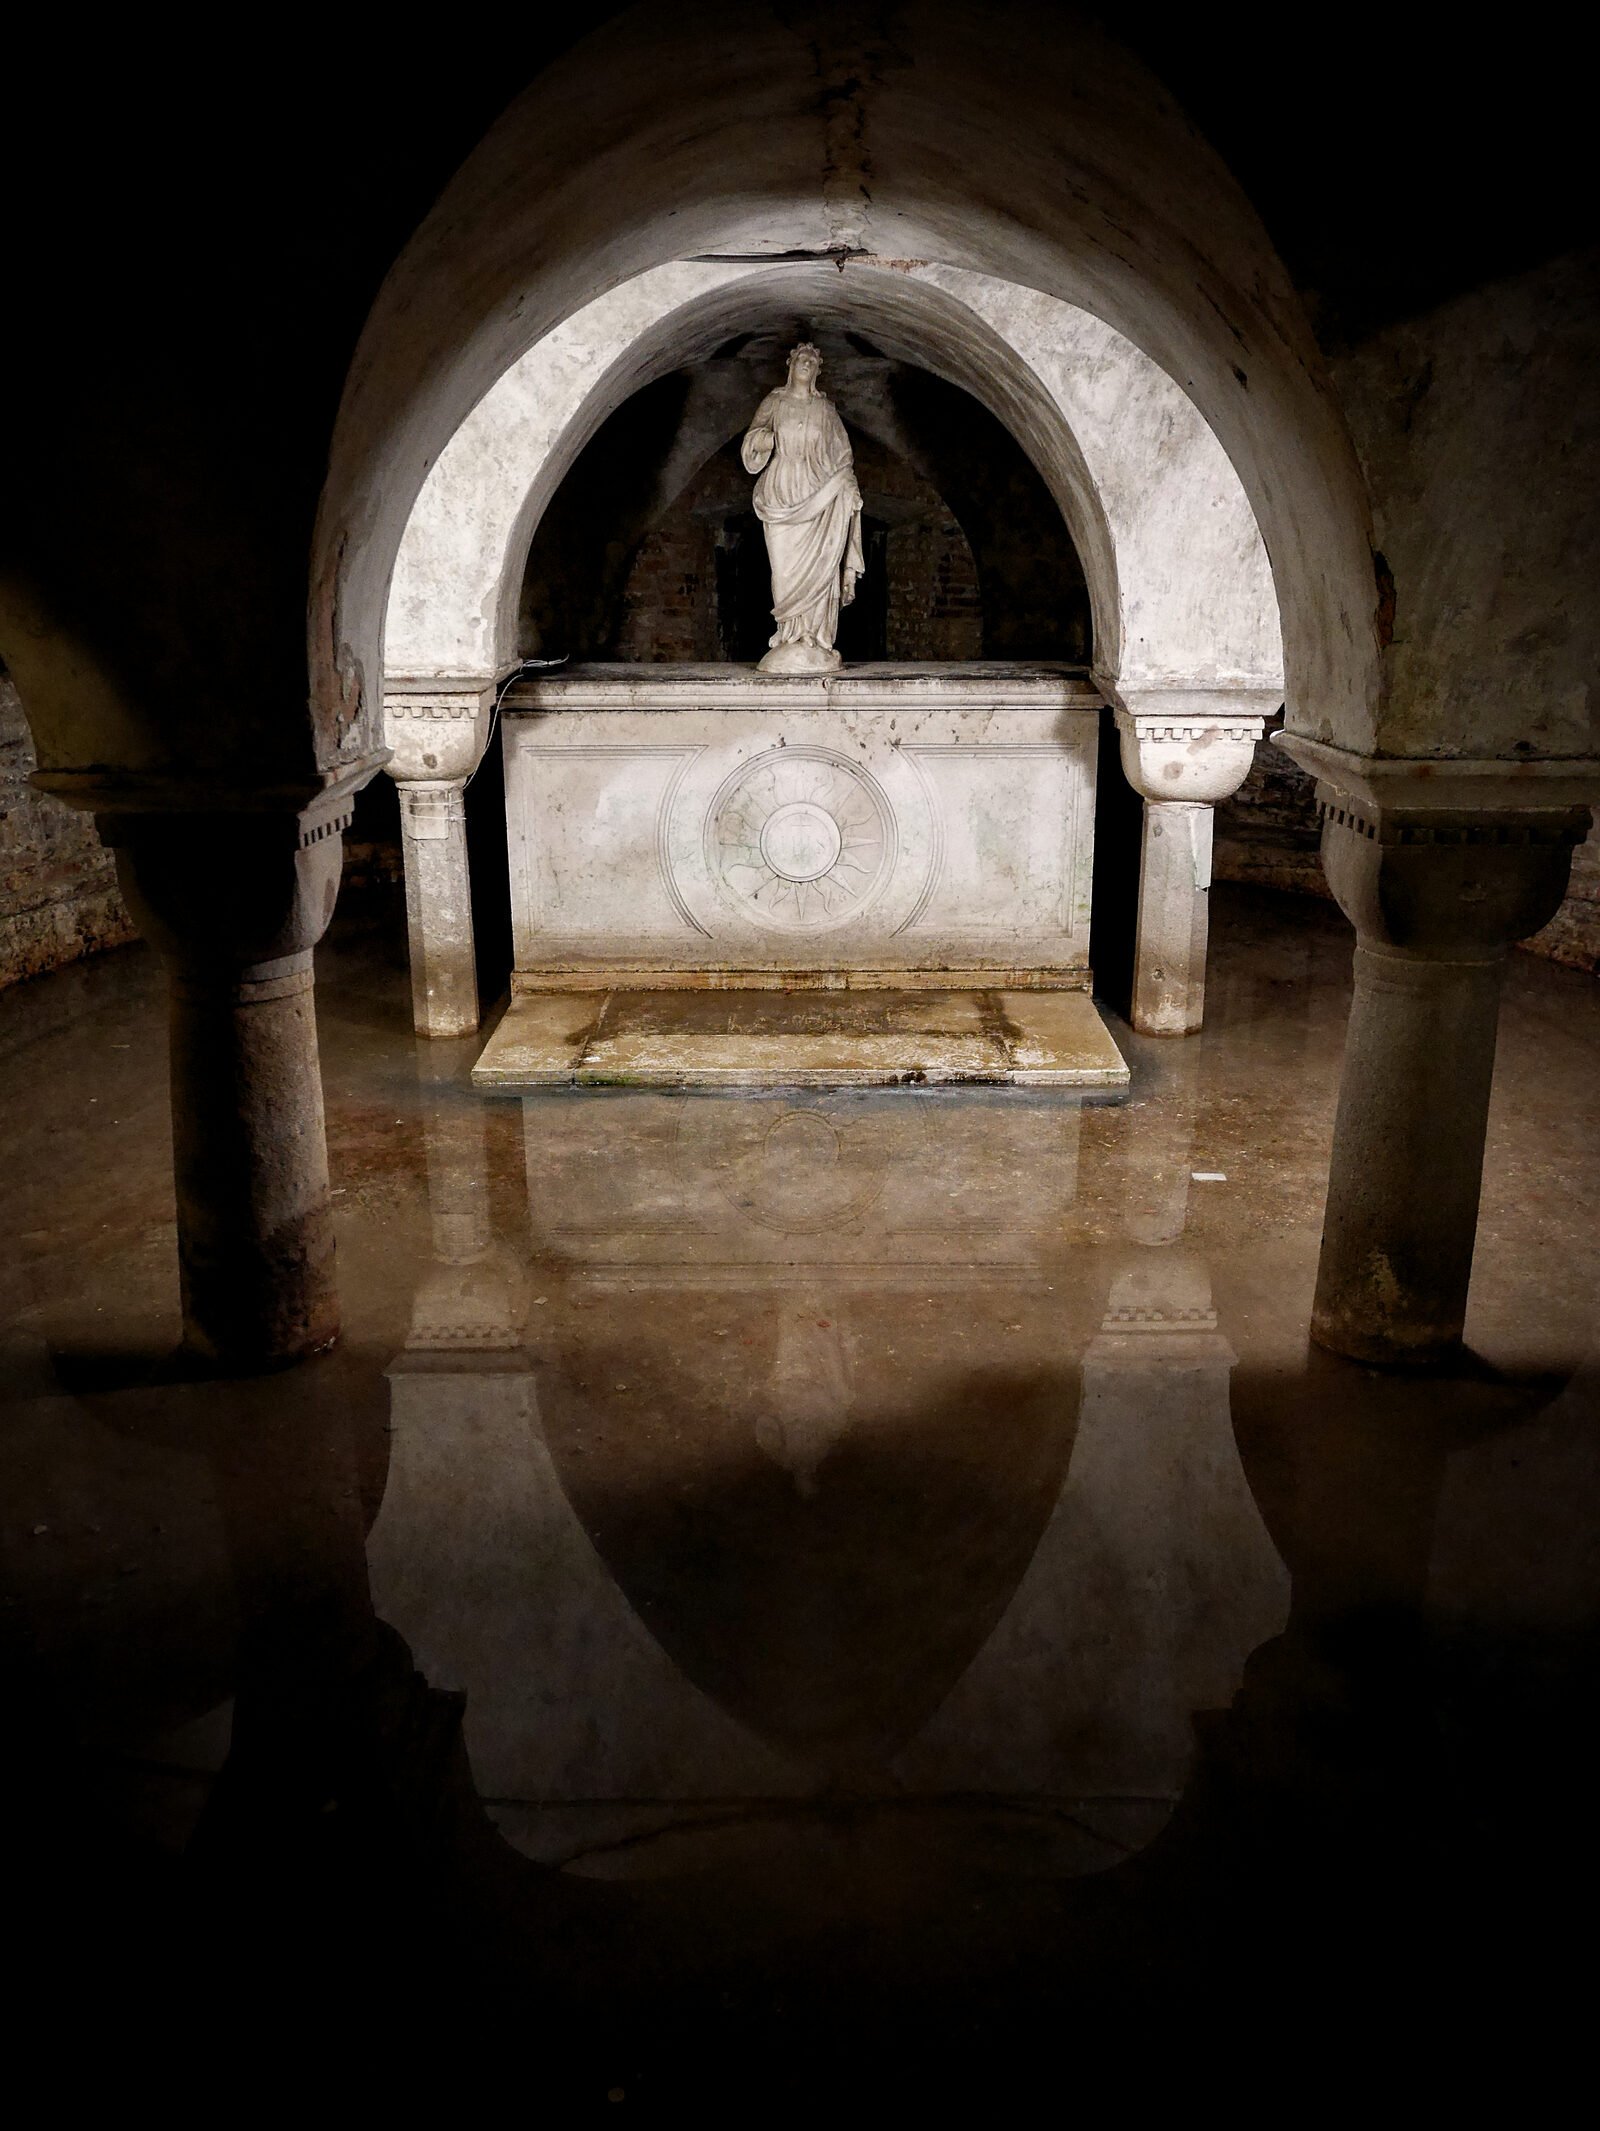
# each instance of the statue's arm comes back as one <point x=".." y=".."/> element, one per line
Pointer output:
<point x="759" y="438"/>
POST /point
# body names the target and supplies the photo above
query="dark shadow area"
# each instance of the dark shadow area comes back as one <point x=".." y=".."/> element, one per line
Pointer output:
<point x="1114" y="910"/>
<point x="1035" y="600"/>
<point x="1351" y="1835"/>
<point x="490" y="862"/>
<point x="588" y="535"/>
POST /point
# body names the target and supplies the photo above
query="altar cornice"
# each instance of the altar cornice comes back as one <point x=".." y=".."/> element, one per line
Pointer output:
<point x="990" y="685"/>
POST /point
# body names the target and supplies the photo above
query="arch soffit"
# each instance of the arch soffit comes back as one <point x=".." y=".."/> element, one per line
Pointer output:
<point x="1177" y="572"/>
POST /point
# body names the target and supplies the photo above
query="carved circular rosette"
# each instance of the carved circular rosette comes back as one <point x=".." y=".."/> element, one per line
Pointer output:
<point x="801" y="839"/>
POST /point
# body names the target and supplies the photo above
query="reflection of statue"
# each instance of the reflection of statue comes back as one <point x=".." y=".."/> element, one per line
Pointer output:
<point x="810" y="1391"/>
<point x="808" y="501"/>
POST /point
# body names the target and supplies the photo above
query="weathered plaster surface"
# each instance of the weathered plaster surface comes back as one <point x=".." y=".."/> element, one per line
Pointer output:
<point x="1194" y="598"/>
<point x="1493" y="538"/>
<point x="485" y="494"/>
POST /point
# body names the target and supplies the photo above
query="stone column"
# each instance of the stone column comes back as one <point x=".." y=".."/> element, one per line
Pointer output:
<point x="234" y="902"/>
<point x="1441" y="867"/>
<point x="1182" y="751"/>
<point x="437" y="732"/>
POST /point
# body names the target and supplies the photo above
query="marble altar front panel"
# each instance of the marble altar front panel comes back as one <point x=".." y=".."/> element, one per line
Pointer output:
<point x="685" y="826"/>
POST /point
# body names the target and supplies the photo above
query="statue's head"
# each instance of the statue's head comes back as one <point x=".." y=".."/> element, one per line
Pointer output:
<point x="804" y="363"/>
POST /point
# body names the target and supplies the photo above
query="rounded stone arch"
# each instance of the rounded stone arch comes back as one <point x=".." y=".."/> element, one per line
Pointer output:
<point x="452" y="604"/>
<point x="1031" y="152"/>
<point x="1179" y="584"/>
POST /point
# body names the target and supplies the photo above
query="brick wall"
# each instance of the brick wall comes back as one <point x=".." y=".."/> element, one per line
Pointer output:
<point x="1573" y="934"/>
<point x="934" y="610"/>
<point x="669" y="603"/>
<point x="1267" y="832"/>
<point x="58" y="884"/>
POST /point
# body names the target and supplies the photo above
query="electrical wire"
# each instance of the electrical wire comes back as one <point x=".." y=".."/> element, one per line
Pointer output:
<point x="510" y="681"/>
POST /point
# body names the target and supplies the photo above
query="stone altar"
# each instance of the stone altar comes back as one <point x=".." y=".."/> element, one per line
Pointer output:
<point x="902" y="829"/>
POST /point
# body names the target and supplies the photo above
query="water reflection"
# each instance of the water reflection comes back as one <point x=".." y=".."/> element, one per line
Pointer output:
<point x="843" y="1459"/>
<point x="830" y="1534"/>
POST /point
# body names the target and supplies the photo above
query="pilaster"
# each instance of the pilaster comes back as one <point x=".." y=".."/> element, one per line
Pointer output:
<point x="437" y="731"/>
<point x="1183" y="750"/>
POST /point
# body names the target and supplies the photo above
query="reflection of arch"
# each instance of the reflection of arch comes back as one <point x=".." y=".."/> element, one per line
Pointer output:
<point x="1177" y="574"/>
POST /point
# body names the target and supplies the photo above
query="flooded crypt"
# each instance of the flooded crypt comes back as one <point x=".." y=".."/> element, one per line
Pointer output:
<point x="797" y="1004"/>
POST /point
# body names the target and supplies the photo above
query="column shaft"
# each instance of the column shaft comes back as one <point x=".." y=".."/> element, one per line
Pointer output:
<point x="235" y="903"/>
<point x="444" y="973"/>
<point x="1437" y="890"/>
<point x="1407" y="1161"/>
<point x="1169" y="983"/>
<point x="1183" y="750"/>
<point x="255" y="1224"/>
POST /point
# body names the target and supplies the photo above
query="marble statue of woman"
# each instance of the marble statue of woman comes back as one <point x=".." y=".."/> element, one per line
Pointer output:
<point x="809" y="504"/>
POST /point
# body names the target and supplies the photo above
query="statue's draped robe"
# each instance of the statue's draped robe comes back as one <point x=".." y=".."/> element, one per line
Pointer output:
<point x="809" y="504"/>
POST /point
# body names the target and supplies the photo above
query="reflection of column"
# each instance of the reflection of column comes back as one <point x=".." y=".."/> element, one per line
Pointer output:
<point x="235" y="904"/>
<point x="1155" y="1577"/>
<point x="1149" y="1588"/>
<point x="1172" y="1545"/>
<point x="1182" y="751"/>
<point x="1171" y="1548"/>
<point x="438" y="734"/>
<point x="1157" y="1152"/>
<point x="472" y="1298"/>
<point x="481" y="1562"/>
<point x="479" y="1559"/>
<point x="1439" y="867"/>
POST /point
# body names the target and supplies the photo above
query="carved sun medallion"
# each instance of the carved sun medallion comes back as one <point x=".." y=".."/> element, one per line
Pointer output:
<point x="801" y="838"/>
<point x="796" y="1170"/>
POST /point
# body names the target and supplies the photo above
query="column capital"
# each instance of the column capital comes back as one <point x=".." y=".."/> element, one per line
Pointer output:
<point x="295" y="811"/>
<point x="437" y="728"/>
<point x="1201" y="702"/>
<point x="221" y="877"/>
<point x="1191" y="746"/>
<point x="1446" y="860"/>
<point x="1160" y="1313"/>
<point x="1373" y="785"/>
